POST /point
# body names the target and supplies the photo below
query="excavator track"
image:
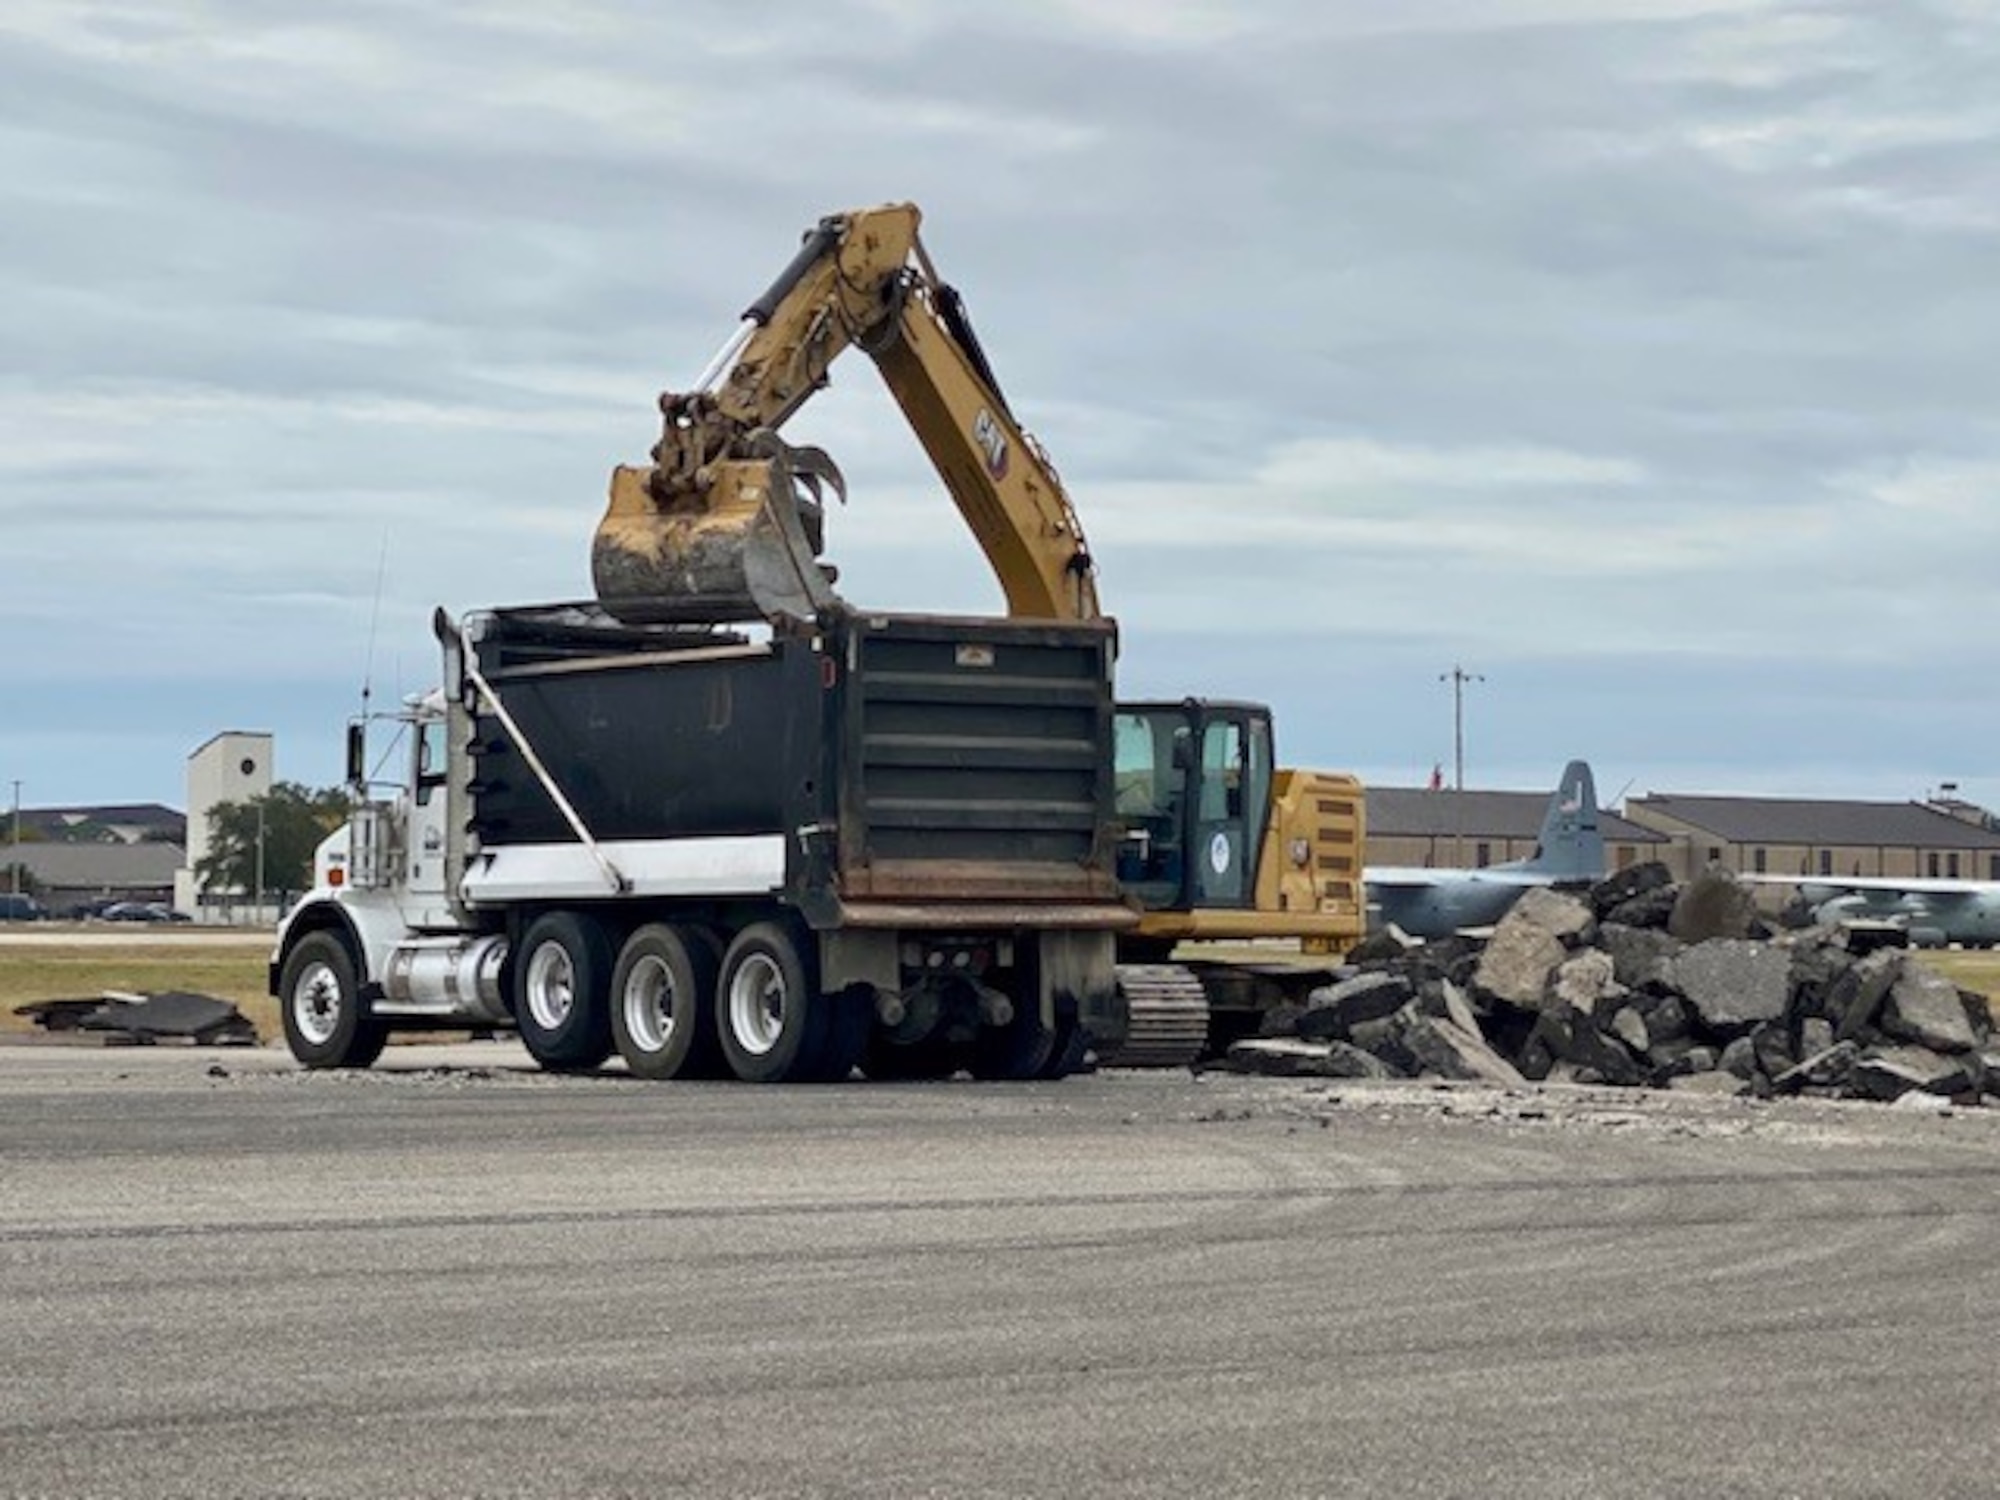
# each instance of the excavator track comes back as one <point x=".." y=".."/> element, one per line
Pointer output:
<point x="1169" y="1017"/>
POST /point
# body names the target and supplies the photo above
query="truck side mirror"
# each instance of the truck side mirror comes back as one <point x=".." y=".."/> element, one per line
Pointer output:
<point x="357" y="754"/>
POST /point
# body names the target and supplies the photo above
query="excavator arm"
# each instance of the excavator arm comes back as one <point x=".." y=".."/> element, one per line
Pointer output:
<point x="727" y="519"/>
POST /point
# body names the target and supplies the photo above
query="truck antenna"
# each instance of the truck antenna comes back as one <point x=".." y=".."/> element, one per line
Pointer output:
<point x="374" y="618"/>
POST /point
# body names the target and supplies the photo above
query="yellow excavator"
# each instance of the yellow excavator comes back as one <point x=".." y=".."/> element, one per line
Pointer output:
<point x="1222" y="846"/>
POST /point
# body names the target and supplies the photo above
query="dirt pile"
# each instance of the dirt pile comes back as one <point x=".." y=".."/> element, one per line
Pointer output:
<point x="1643" y="981"/>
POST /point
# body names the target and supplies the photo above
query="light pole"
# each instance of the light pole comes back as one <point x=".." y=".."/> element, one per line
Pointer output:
<point x="1458" y="677"/>
<point x="14" y="868"/>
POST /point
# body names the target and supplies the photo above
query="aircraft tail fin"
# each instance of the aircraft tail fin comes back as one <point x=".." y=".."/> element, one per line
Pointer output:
<point x="1570" y="846"/>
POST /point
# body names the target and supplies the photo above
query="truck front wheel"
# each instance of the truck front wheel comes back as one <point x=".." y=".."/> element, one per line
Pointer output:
<point x="327" y="1024"/>
<point x="561" y="981"/>
<point x="663" y="1003"/>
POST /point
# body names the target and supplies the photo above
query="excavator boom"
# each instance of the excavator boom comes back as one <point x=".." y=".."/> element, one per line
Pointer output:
<point x="727" y="521"/>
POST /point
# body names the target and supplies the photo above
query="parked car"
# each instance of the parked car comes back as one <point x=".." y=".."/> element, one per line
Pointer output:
<point x="143" y="911"/>
<point x="20" y="909"/>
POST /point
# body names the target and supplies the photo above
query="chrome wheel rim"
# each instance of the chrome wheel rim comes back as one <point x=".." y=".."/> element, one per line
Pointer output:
<point x="551" y="986"/>
<point x="316" y="1003"/>
<point x="757" y="1004"/>
<point x="649" y="1004"/>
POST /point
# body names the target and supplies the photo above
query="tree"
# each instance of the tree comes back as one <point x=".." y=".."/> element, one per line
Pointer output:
<point x="287" y="822"/>
<point x="10" y="873"/>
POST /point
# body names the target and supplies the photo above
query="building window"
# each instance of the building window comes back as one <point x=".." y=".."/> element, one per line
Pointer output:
<point x="1931" y="864"/>
<point x="1951" y="865"/>
<point x="1482" y="854"/>
<point x="1757" y="860"/>
<point x="1714" y="855"/>
<point x="1826" y="861"/>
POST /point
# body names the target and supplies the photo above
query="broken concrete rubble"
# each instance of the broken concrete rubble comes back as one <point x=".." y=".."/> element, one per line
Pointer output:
<point x="1598" y="986"/>
<point x="1734" y="981"/>
<point x="1926" y="1008"/>
<point x="1713" y="905"/>
<point x="144" y="1019"/>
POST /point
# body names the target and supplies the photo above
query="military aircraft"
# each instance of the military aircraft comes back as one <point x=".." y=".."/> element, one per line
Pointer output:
<point x="1935" y="911"/>
<point x="1436" y="903"/>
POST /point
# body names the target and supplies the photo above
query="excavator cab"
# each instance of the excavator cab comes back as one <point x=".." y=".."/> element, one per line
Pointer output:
<point x="1193" y="783"/>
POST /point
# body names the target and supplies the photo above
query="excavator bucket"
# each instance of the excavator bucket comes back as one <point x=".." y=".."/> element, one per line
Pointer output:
<point x="744" y="546"/>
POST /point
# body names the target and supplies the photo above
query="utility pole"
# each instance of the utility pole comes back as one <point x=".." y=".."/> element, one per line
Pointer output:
<point x="1458" y="677"/>
<point x="14" y="869"/>
<point x="260" y="860"/>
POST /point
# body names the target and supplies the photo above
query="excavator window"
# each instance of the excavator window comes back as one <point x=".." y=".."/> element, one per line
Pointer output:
<point x="1222" y="771"/>
<point x="1149" y="758"/>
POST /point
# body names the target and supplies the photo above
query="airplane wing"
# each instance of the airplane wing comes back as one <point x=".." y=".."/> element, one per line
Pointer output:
<point x="1404" y="880"/>
<point x="1414" y="879"/>
<point x="1934" y="892"/>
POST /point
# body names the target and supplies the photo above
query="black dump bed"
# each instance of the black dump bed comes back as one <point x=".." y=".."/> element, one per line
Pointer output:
<point x="907" y="758"/>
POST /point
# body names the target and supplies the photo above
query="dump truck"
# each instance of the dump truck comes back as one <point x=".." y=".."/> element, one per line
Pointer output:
<point x="773" y="852"/>
<point x="1221" y="844"/>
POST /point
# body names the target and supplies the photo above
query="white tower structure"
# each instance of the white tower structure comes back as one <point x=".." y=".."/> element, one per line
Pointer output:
<point x="234" y="766"/>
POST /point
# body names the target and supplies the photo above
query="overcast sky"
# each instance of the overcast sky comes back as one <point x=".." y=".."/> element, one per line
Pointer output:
<point x="1642" y="356"/>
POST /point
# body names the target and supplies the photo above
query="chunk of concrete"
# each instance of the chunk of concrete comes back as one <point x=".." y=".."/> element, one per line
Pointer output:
<point x="1573" y="1037"/>
<point x="1667" y="1021"/>
<point x="1615" y="889"/>
<point x="1337" y="1009"/>
<point x="1816" y="969"/>
<point x="1564" y="916"/>
<point x="1890" y="1072"/>
<point x="203" y="1019"/>
<point x="1713" y="1082"/>
<point x="1858" y="994"/>
<point x="1739" y="1059"/>
<point x="1924" y="1007"/>
<point x="1584" y="983"/>
<point x="1641" y="958"/>
<point x="1449" y="1051"/>
<point x="1384" y="945"/>
<point x="1290" y="1057"/>
<point x="1458" y="1009"/>
<point x="1733" y="982"/>
<point x="1715" y="904"/>
<point x="1516" y="967"/>
<point x="1630" y="1028"/>
<point x="1828" y="1068"/>
<point x="1651" y="911"/>
<point x="1771" y="1044"/>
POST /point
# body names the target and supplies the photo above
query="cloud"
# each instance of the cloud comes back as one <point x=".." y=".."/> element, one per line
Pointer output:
<point x="1639" y="350"/>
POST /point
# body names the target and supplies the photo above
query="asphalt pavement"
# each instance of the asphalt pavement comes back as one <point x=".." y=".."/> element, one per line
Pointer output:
<point x="453" y="1275"/>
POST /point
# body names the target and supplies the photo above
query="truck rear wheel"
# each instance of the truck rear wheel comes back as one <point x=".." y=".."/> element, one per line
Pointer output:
<point x="1070" y="1049"/>
<point x="327" y="1024"/>
<point x="768" y="1012"/>
<point x="1017" y="1051"/>
<point x="561" y="980"/>
<point x="663" y="1003"/>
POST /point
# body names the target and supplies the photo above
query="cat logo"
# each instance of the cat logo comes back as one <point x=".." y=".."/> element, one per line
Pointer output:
<point x="992" y="442"/>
